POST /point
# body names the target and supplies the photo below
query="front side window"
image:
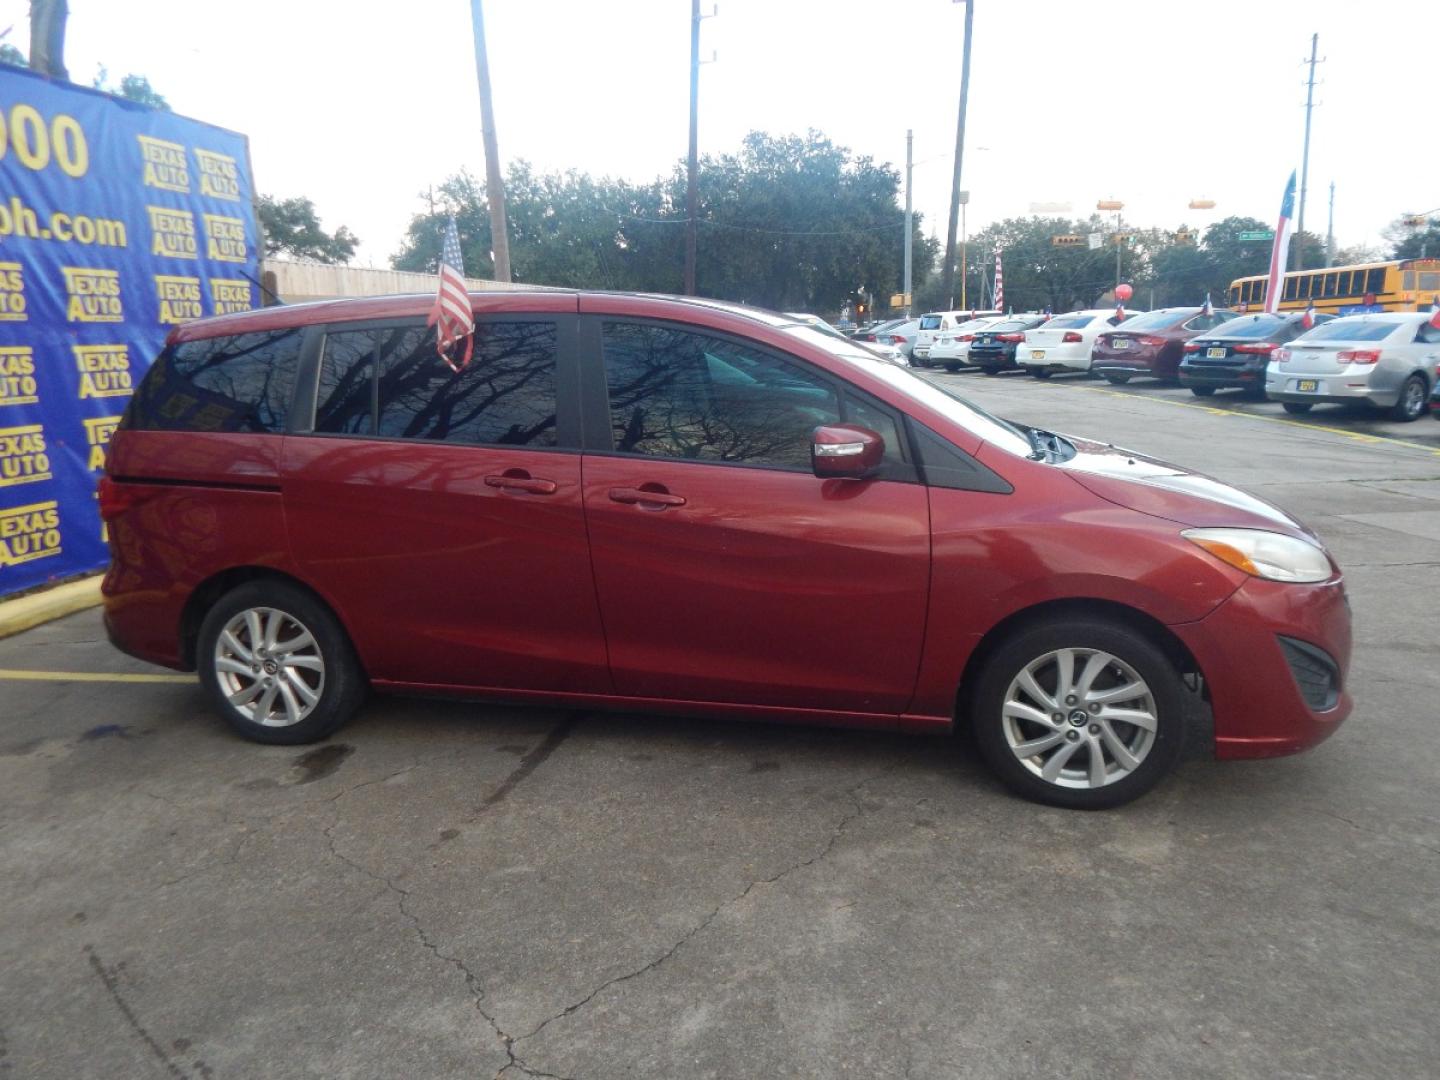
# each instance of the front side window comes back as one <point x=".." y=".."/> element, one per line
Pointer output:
<point x="678" y="394"/>
<point x="242" y="383"/>
<point x="391" y="382"/>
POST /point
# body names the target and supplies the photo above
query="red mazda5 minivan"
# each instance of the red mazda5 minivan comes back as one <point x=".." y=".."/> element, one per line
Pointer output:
<point x="645" y="502"/>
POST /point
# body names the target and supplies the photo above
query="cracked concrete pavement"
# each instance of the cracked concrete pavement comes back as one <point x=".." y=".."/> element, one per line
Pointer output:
<point x="456" y="889"/>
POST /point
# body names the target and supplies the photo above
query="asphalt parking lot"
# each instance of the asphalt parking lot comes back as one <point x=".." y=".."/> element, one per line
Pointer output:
<point x="452" y="889"/>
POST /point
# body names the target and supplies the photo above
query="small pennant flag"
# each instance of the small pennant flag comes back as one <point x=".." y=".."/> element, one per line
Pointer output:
<point x="1308" y="319"/>
<point x="452" y="315"/>
<point x="1119" y="313"/>
<point x="1207" y="309"/>
<point x="1435" y="311"/>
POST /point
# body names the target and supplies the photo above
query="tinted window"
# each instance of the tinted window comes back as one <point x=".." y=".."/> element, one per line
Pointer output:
<point x="392" y="382"/>
<point x="1352" y="330"/>
<point x="1069" y="322"/>
<point x="684" y="395"/>
<point x="504" y="396"/>
<point x="1205" y="322"/>
<point x="929" y="322"/>
<point x="1375" y="280"/>
<point x="1153" y="320"/>
<point x="239" y="383"/>
<point x="1250" y="326"/>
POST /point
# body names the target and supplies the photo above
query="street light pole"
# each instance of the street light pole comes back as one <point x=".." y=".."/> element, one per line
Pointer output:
<point x="909" y="240"/>
<point x="692" y="183"/>
<point x="949" y="276"/>
<point x="964" y="265"/>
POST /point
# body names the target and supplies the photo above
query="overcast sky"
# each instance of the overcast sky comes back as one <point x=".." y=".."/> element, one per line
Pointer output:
<point x="361" y="106"/>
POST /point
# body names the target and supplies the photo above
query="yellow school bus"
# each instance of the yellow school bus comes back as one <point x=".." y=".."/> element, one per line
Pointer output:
<point x="1401" y="285"/>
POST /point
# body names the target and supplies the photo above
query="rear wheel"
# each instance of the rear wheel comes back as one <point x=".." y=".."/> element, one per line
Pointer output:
<point x="1117" y="380"/>
<point x="1410" y="405"/>
<point x="278" y="665"/>
<point x="1203" y="391"/>
<point x="1085" y="714"/>
<point x="1297" y="408"/>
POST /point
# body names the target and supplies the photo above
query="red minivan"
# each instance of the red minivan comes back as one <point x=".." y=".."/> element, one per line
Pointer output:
<point x="643" y="502"/>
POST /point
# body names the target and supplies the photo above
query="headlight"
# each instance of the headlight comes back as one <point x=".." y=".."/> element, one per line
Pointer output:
<point x="1269" y="555"/>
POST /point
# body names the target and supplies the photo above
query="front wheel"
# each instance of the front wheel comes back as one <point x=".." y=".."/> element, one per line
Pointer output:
<point x="1083" y="714"/>
<point x="278" y="665"/>
<point x="1410" y="405"/>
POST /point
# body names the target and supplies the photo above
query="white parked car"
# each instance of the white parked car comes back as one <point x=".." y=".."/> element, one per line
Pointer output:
<point x="932" y="324"/>
<point x="884" y="351"/>
<point x="1064" y="343"/>
<point x="1388" y="359"/>
<point x="951" y="348"/>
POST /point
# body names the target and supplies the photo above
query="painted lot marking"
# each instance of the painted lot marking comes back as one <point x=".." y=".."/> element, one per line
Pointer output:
<point x="20" y="675"/>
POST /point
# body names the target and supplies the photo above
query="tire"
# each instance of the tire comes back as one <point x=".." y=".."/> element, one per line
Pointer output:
<point x="952" y="368"/>
<point x="1203" y="391"/>
<point x="991" y="370"/>
<point x="1004" y="712"/>
<point x="1117" y="380"/>
<point x="322" y="665"/>
<point x="1040" y="373"/>
<point x="1297" y="408"/>
<point x="1413" y="401"/>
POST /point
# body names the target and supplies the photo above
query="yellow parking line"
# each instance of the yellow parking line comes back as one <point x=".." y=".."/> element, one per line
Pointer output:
<point x="1357" y="436"/>
<point x="19" y="675"/>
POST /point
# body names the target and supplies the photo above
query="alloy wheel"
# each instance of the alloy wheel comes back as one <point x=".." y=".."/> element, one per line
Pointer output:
<point x="1079" y="718"/>
<point x="269" y="667"/>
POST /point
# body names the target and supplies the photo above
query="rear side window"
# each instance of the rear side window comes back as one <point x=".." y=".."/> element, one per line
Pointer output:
<point x="391" y="382"/>
<point x="242" y="382"/>
<point x="1352" y="330"/>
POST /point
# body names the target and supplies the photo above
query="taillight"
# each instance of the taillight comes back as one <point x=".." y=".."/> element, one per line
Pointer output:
<point x="1281" y="356"/>
<point x="966" y="337"/>
<point x="1071" y="335"/>
<point x="1262" y="348"/>
<point x="1150" y="339"/>
<point x="116" y="498"/>
<point x="1359" y="356"/>
<point x="1010" y="337"/>
<point x="1190" y="347"/>
<point x="896" y="339"/>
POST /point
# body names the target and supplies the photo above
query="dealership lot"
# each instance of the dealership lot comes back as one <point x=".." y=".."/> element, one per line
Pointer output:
<point x="457" y="889"/>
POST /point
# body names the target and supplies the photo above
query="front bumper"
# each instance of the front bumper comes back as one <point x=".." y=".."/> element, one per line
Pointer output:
<point x="1259" y="683"/>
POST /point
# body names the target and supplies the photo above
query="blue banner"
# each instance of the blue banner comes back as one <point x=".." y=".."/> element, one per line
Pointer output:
<point x="117" y="223"/>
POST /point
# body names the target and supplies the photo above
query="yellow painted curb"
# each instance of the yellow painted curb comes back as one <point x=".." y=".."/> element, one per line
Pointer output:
<point x="41" y="607"/>
<point x="19" y="675"/>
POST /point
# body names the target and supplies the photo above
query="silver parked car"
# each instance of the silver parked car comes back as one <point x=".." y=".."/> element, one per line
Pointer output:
<point x="1388" y="359"/>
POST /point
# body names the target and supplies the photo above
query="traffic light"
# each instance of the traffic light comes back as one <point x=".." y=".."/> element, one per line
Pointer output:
<point x="1066" y="240"/>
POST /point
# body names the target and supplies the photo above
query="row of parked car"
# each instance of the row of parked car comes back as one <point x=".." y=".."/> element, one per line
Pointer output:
<point x="1389" y="359"/>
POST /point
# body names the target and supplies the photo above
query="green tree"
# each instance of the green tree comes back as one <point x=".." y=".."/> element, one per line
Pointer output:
<point x="293" y="228"/>
<point x="9" y="54"/>
<point x="134" y="88"/>
<point x="789" y="222"/>
<point x="1038" y="274"/>
<point x="1413" y="241"/>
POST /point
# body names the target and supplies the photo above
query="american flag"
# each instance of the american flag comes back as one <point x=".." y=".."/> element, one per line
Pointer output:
<point x="452" y="316"/>
<point x="999" y="283"/>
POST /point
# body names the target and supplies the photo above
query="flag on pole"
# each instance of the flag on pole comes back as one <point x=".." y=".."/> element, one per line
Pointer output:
<point x="999" y="283"/>
<point x="452" y="315"/>
<point x="1120" y="313"/>
<point x="1207" y="309"/>
<point x="1435" y="311"/>
<point x="1280" y="253"/>
<point x="1308" y="319"/>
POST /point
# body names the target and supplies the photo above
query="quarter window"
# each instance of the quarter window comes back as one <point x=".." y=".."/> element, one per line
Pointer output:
<point x="679" y="394"/>
<point x="242" y="382"/>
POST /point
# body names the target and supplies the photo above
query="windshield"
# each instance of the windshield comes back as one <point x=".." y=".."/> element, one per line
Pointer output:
<point x="1360" y="329"/>
<point x="950" y="405"/>
<point x="1154" y="320"/>
<point x="1249" y="326"/>
<point x="1070" y="322"/>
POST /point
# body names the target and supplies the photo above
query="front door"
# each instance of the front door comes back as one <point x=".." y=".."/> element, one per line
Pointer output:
<point x="441" y="511"/>
<point x="726" y="571"/>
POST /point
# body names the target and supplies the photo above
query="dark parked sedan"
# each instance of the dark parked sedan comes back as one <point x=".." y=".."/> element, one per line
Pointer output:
<point x="1151" y="344"/>
<point x="993" y="349"/>
<point x="1235" y="353"/>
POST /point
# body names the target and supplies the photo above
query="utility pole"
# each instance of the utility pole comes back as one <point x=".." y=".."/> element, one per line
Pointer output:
<point x="1330" y="231"/>
<point x="964" y="263"/>
<point x="1305" y="158"/>
<point x="47" y="37"/>
<point x="494" y="188"/>
<point x="909" y="172"/>
<point x="692" y="177"/>
<point x="949" y="278"/>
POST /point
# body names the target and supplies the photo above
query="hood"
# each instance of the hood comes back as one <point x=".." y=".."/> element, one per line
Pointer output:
<point x="1155" y="487"/>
